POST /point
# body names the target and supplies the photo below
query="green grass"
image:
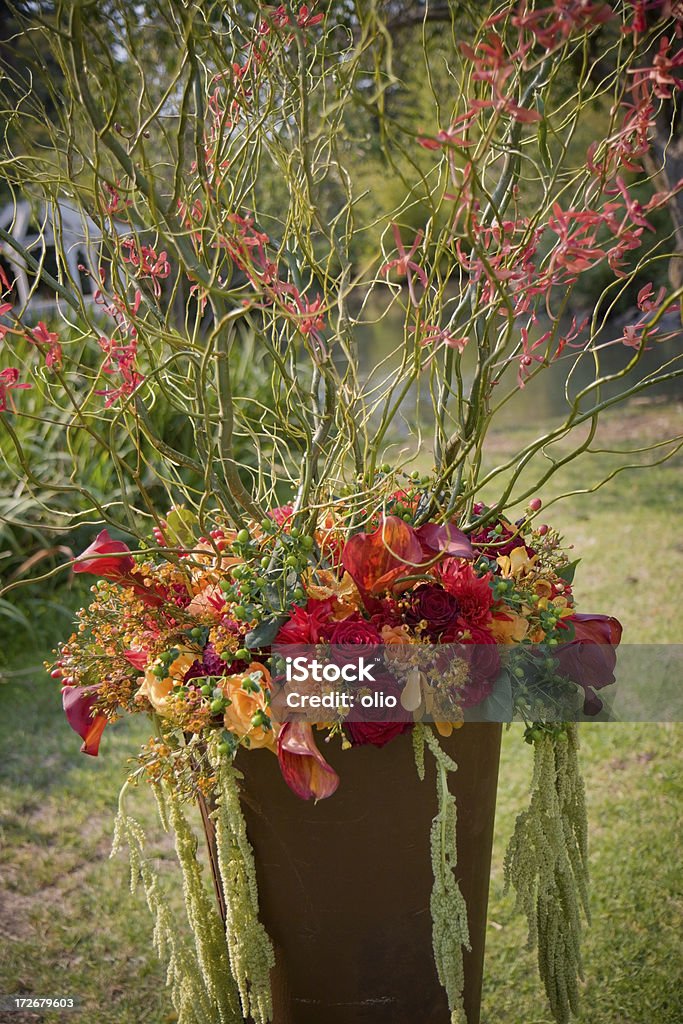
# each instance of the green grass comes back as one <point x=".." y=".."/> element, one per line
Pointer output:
<point x="71" y="927"/>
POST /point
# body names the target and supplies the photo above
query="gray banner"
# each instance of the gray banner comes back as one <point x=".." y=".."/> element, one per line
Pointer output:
<point x="577" y="681"/>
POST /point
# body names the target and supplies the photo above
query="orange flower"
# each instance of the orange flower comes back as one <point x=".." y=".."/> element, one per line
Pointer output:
<point x="517" y="563"/>
<point x="508" y="627"/>
<point x="207" y="604"/>
<point x="344" y="591"/>
<point x="245" y="705"/>
<point x="158" y="691"/>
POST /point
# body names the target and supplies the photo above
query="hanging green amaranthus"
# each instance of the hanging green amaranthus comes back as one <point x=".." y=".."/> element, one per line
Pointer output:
<point x="547" y="864"/>
<point x="185" y="974"/>
<point x="449" y="912"/>
<point x="251" y="951"/>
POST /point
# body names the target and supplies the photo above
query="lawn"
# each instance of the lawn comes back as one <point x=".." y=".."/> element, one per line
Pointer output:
<point x="71" y="927"/>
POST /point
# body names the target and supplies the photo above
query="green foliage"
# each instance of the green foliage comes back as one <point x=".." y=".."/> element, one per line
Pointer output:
<point x="547" y="864"/>
<point x="183" y="976"/>
<point x="202" y="914"/>
<point x="251" y="951"/>
<point x="449" y="912"/>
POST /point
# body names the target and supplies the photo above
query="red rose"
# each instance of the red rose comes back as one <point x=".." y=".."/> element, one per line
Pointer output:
<point x="379" y="725"/>
<point x="376" y="733"/>
<point x="354" y="630"/>
<point x="433" y="605"/>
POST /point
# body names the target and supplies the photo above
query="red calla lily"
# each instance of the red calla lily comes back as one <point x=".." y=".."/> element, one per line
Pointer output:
<point x="376" y="560"/>
<point x="445" y="539"/>
<point x="600" y="629"/>
<point x="590" y="658"/>
<point x="111" y="559"/>
<point x="78" y="703"/>
<point x="303" y="767"/>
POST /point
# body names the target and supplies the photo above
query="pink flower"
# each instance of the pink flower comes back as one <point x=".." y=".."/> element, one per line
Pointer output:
<point x="633" y="334"/>
<point x="439" y="337"/>
<point x="310" y="317"/>
<point x="662" y="70"/>
<point x="404" y="263"/>
<point x="530" y="355"/>
<point x="147" y="262"/>
<point x="49" y="340"/>
<point x="8" y="382"/>
<point x="452" y="136"/>
<point x="131" y="380"/>
<point x="645" y="300"/>
<point x="305" y="19"/>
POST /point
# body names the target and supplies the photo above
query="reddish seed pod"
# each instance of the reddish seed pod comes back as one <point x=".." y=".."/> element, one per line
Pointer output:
<point x="535" y="504"/>
<point x="543" y="529"/>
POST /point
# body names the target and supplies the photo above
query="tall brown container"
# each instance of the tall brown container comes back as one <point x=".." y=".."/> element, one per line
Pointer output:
<point x="345" y="884"/>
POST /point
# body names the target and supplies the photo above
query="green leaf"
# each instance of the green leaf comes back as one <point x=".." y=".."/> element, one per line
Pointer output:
<point x="566" y="573"/>
<point x="498" y="705"/>
<point x="264" y="633"/>
<point x="181" y="527"/>
<point x="10" y="612"/>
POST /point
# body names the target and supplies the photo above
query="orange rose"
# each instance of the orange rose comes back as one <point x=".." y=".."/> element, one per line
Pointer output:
<point x="158" y="691"/>
<point x="246" y="703"/>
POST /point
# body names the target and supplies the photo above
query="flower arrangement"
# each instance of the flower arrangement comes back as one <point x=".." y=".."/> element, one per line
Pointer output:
<point x="277" y="181"/>
<point x="189" y="637"/>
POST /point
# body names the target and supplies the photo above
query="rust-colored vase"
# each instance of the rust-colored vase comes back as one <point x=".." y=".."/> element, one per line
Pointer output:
<point x="344" y="885"/>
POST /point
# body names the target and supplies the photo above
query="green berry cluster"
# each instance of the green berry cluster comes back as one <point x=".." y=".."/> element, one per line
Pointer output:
<point x="538" y="731"/>
<point x="270" y="578"/>
<point x="165" y="660"/>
